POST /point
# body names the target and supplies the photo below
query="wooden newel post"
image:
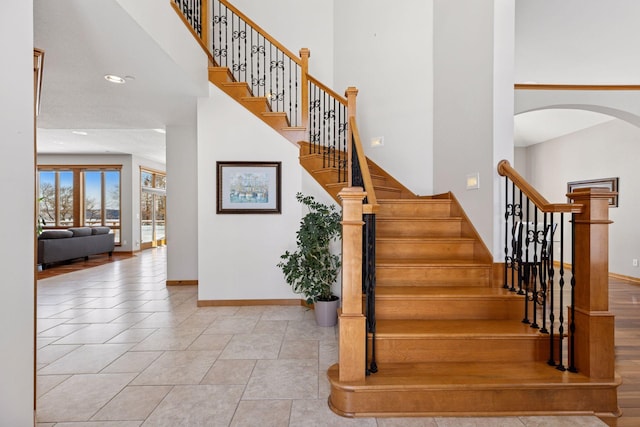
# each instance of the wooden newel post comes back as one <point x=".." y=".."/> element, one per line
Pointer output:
<point x="305" y="54"/>
<point x="594" y="324"/>
<point x="351" y="94"/>
<point x="351" y="321"/>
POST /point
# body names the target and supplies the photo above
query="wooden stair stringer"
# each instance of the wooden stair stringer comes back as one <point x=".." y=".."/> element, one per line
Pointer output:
<point x="257" y="105"/>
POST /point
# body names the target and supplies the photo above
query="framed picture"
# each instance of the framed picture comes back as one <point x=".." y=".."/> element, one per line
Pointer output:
<point x="610" y="184"/>
<point x="248" y="187"/>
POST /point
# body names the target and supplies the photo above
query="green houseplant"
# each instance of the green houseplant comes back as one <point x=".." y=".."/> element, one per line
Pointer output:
<point x="312" y="268"/>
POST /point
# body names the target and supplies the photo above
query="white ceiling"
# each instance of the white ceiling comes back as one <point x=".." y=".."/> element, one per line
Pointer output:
<point x="83" y="41"/>
<point x="538" y="126"/>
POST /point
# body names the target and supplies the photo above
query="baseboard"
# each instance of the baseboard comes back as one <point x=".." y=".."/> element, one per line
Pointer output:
<point x="182" y="282"/>
<point x="248" y="302"/>
<point x="626" y="278"/>
<point x="631" y="279"/>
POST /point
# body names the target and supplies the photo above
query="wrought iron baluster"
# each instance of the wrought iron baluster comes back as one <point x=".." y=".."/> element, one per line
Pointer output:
<point x="541" y="298"/>
<point x="560" y="365"/>
<point x="572" y="325"/>
<point x="369" y="276"/>
<point x="551" y="290"/>
<point x="534" y="268"/>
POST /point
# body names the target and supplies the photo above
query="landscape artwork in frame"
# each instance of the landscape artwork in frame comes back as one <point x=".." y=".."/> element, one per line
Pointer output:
<point x="611" y="184"/>
<point x="248" y="187"/>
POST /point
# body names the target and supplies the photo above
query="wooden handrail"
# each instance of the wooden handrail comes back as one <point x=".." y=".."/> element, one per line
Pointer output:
<point x="327" y="89"/>
<point x="262" y="32"/>
<point x="364" y="167"/>
<point x="505" y="169"/>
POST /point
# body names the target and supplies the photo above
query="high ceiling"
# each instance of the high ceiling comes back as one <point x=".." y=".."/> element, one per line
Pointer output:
<point x="83" y="113"/>
<point x="83" y="41"/>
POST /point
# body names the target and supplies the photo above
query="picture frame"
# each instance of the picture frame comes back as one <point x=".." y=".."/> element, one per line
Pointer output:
<point x="248" y="187"/>
<point x="611" y="184"/>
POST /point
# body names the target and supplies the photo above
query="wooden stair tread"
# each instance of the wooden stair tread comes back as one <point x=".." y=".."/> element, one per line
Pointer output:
<point x="444" y="292"/>
<point x="454" y="329"/>
<point x="414" y="201"/>
<point x="419" y="219"/>
<point x="468" y="375"/>
<point x="435" y="239"/>
<point x="452" y="263"/>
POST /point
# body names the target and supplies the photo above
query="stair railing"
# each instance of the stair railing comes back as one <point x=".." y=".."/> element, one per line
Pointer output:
<point x="328" y="127"/>
<point x="272" y="71"/>
<point x="536" y="248"/>
<point x="255" y="57"/>
<point x="361" y="177"/>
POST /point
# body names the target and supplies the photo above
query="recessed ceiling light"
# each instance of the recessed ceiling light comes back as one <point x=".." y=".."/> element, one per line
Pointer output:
<point x="78" y="132"/>
<point x="112" y="78"/>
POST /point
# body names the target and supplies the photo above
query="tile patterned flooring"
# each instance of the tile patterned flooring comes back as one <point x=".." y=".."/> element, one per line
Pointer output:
<point x="117" y="348"/>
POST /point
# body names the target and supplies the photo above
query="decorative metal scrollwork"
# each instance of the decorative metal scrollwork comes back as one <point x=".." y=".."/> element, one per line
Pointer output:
<point x="315" y="137"/>
<point x="220" y="52"/>
<point x="239" y="67"/>
<point x="330" y="114"/>
<point x="257" y="81"/>
<point x="277" y="64"/>
<point x="277" y="96"/>
<point x="257" y="49"/>
<point x="239" y="35"/>
<point x="314" y="105"/>
<point x="219" y="19"/>
<point x="342" y="127"/>
<point x="513" y="210"/>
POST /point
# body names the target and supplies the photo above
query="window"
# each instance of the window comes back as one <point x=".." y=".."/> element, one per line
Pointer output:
<point x="73" y="196"/>
<point x="152" y="208"/>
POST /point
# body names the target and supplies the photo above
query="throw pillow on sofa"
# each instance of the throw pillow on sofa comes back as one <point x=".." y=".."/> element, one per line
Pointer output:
<point x="80" y="231"/>
<point x="55" y="234"/>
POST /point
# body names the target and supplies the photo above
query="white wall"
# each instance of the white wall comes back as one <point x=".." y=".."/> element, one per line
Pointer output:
<point x="611" y="149"/>
<point x="297" y="24"/>
<point x="387" y="54"/>
<point x="17" y="165"/>
<point x="577" y="41"/>
<point x="238" y="253"/>
<point x="473" y="110"/>
<point x="182" y="202"/>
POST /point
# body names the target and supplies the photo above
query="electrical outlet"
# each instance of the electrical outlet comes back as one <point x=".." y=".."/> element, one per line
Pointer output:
<point x="634" y="262"/>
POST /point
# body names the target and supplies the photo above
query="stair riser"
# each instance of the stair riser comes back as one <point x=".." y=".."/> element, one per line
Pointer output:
<point x="220" y="75"/>
<point x="317" y="163"/>
<point x="424" y="250"/>
<point x="275" y="120"/>
<point x="496" y="401"/>
<point x="434" y="276"/>
<point x="400" y="228"/>
<point x="236" y="91"/>
<point x="445" y="349"/>
<point x="437" y="209"/>
<point x="255" y="105"/>
<point x="450" y="309"/>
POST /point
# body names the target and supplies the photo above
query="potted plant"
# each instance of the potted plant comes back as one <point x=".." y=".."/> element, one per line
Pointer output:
<point x="312" y="268"/>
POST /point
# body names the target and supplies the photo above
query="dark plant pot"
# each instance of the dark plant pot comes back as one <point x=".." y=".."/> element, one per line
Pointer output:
<point x="327" y="312"/>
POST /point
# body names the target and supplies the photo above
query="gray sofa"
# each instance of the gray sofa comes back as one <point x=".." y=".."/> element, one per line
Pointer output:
<point x="74" y="242"/>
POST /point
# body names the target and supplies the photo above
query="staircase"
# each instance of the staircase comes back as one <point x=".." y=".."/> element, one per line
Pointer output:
<point x="449" y="339"/>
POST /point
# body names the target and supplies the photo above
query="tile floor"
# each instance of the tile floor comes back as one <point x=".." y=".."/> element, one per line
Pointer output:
<point x="117" y="348"/>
